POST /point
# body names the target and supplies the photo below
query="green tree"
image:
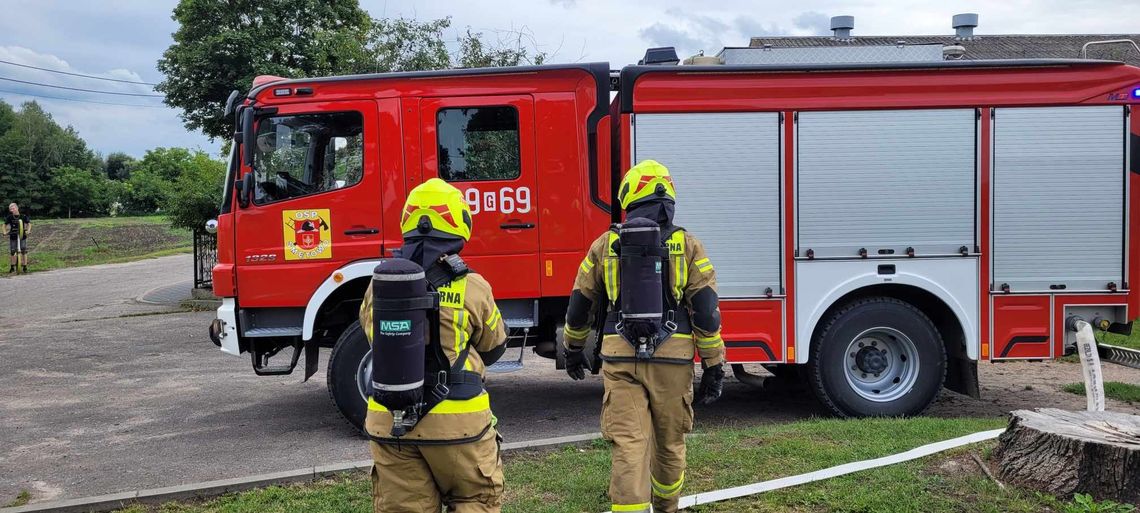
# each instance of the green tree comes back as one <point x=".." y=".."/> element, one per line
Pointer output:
<point x="118" y="166"/>
<point x="80" y="192"/>
<point x="31" y="147"/>
<point x="146" y="192"/>
<point x="475" y="53"/>
<point x="194" y="199"/>
<point x="222" y="45"/>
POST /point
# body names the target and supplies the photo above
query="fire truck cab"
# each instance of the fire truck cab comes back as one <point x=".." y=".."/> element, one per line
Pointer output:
<point x="885" y="226"/>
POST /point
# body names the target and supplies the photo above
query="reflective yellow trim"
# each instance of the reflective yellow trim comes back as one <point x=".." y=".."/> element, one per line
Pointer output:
<point x="630" y="507"/>
<point x="493" y="322"/>
<point x="576" y="333"/>
<point x="680" y="267"/>
<point x="476" y="404"/>
<point x="610" y="277"/>
<point x="666" y="491"/>
<point x="586" y="266"/>
<point x="709" y="342"/>
<point x="701" y="262"/>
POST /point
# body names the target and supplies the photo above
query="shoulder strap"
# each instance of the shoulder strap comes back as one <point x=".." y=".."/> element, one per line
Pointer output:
<point x="445" y="270"/>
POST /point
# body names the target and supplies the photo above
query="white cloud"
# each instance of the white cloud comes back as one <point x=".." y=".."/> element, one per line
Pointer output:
<point x="108" y="122"/>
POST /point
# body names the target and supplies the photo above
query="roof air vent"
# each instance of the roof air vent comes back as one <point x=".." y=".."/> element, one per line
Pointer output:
<point x="841" y="27"/>
<point x="964" y="25"/>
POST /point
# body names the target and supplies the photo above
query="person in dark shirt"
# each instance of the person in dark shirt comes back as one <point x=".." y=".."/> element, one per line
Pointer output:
<point x="17" y="226"/>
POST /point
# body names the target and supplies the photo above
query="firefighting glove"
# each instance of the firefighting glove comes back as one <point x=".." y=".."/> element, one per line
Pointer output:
<point x="712" y="384"/>
<point x="576" y="364"/>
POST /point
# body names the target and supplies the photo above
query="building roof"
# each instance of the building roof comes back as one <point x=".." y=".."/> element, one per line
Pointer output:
<point x="984" y="46"/>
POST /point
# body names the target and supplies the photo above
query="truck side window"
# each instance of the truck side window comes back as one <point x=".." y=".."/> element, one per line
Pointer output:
<point x="478" y="143"/>
<point x="307" y="154"/>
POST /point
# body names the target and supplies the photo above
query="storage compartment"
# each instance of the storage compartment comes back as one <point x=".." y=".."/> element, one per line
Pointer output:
<point x="726" y="168"/>
<point x="1058" y="198"/>
<point x="1090" y="308"/>
<point x="886" y="181"/>
<point x="757" y="330"/>
<point x="1021" y="327"/>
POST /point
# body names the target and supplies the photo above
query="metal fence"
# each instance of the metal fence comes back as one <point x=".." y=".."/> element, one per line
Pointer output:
<point x="205" y="256"/>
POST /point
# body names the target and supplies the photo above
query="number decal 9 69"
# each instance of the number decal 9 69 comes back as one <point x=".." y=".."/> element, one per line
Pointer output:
<point x="507" y="200"/>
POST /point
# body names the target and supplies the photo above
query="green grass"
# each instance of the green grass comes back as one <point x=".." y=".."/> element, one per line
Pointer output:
<point x="1131" y="340"/>
<point x="59" y="243"/>
<point x="1112" y="389"/>
<point x="575" y="478"/>
<point x="21" y="499"/>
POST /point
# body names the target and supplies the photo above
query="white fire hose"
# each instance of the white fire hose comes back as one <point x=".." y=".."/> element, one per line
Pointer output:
<point x="1090" y="362"/>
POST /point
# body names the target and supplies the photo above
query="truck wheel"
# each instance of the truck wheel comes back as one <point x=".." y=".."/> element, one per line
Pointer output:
<point x="350" y="366"/>
<point x="877" y="356"/>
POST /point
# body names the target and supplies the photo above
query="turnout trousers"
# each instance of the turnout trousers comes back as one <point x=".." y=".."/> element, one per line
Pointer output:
<point x="646" y="412"/>
<point x="466" y="477"/>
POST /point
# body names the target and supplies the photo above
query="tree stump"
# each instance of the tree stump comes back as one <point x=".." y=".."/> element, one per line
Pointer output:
<point x="1065" y="452"/>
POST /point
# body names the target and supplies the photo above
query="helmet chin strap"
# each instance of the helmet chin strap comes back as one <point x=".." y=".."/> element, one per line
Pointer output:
<point x="657" y="210"/>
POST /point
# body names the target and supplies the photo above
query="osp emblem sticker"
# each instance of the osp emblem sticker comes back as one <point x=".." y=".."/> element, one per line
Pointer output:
<point x="307" y="234"/>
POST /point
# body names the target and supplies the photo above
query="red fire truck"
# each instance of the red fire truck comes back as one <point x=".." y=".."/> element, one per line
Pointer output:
<point x="884" y="227"/>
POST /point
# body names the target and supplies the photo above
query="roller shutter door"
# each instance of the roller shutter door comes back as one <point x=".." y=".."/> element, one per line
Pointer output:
<point x="886" y="181"/>
<point x="726" y="168"/>
<point x="1058" y="197"/>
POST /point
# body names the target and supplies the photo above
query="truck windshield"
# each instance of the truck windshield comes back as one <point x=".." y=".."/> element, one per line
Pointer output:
<point x="305" y="154"/>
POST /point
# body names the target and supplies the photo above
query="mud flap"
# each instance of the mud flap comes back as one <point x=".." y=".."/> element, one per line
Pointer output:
<point x="962" y="375"/>
<point x="312" y="353"/>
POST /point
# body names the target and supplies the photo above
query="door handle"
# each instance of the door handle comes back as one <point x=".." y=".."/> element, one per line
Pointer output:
<point x="516" y="226"/>
<point x="362" y="231"/>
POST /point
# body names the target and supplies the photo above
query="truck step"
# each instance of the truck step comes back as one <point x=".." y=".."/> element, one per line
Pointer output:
<point x="284" y="331"/>
<point x="505" y="367"/>
<point x="1119" y="355"/>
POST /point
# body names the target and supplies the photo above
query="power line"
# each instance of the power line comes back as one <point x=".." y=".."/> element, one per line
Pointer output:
<point x="81" y="101"/>
<point x="81" y="89"/>
<point x="76" y="74"/>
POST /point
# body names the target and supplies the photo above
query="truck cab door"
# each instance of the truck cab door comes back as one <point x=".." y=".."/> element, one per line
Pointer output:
<point x="315" y="202"/>
<point x="485" y="147"/>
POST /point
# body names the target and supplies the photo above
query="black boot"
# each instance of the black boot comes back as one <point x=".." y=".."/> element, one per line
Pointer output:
<point x="25" y="269"/>
<point x="11" y="269"/>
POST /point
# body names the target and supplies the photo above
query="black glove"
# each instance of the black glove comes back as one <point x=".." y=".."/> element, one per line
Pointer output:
<point x="712" y="384"/>
<point x="576" y="364"/>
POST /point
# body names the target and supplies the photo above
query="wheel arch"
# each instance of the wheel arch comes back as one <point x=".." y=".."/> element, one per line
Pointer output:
<point x="949" y="318"/>
<point x="352" y="280"/>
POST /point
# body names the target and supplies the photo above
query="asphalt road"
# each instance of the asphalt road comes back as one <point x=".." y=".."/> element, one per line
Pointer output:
<point x="102" y="394"/>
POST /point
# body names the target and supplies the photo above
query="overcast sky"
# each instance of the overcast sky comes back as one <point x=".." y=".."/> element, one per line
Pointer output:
<point x="123" y="39"/>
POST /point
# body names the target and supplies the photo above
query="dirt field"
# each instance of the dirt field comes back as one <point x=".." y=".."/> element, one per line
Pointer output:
<point x="59" y="243"/>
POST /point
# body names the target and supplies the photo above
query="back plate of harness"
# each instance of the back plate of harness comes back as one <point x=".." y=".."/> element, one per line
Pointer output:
<point x="646" y="309"/>
<point x="442" y="380"/>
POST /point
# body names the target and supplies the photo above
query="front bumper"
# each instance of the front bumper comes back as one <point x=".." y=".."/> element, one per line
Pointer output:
<point x="223" y="330"/>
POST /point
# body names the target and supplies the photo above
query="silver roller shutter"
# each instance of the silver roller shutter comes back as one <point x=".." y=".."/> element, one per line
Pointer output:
<point x="726" y="168"/>
<point x="886" y="181"/>
<point x="1058" y="198"/>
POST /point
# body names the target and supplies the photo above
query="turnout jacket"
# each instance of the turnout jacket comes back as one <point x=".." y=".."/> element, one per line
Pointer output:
<point x="690" y="272"/>
<point x="468" y="317"/>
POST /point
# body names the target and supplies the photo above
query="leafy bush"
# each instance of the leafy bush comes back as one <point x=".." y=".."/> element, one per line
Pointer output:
<point x="197" y="193"/>
<point x="1084" y="503"/>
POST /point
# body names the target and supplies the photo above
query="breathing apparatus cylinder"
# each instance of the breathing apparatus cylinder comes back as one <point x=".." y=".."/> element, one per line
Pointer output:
<point x="400" y="327"/>
<point x="643" y="259"/>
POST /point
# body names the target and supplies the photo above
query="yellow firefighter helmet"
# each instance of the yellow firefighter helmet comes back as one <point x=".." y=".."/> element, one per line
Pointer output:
<point x="435" y="207"/>
<point x="648" y="179"/>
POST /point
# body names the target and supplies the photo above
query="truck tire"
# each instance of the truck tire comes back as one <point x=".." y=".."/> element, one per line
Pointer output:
<point x="349" y="363"/>
<point x="877" y="356"/>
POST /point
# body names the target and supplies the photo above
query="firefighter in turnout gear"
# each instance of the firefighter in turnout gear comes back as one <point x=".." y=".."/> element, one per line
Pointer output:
<point x="659" y="287"/>
<point x="428" y="456"/>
